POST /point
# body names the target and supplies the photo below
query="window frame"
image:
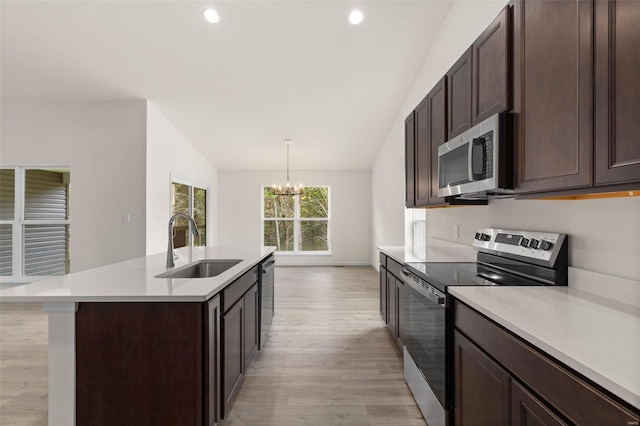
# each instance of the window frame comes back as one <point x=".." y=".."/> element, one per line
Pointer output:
<point x="296" y="224"/>
<point x="193" y="184"/>
<point x="18" y="223"/>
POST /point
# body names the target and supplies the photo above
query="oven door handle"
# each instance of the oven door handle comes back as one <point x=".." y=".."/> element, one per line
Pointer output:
<point x="433" y="294"/>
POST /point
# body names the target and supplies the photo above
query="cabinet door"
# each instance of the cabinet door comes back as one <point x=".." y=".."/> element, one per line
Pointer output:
<point x="617" y="102"/>
<point x="233" y="359"/>
<point x="491" y="65"/>
<point x="212" y="363"/>
<point x="409" y="159"/>
<point x="482" y="393"/>
<point x="553" y="98"/>
<point x="527" y="410"/>
<point x="423" y="154"/>
<point x="250" y="324"/>
<point x="459" y="95"/>
<point x="392" y="304"/>
<point x="383" y="294"/>
<point x="401" y="312"/>
<point x="437" y="100"/>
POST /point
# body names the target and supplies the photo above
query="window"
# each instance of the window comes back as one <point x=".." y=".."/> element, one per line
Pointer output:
<point x="34" y="222"/>
<point x="192" y="200"/>
<point x="297" y="223"/>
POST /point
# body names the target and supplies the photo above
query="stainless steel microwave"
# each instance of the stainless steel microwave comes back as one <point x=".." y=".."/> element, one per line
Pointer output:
<point x="478" y="164"/>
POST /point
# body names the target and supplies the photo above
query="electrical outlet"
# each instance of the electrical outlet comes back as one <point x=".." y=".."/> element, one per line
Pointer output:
<point x="456" y="231"/>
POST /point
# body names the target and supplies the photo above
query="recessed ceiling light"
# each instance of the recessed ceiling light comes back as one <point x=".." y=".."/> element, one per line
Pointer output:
<point x="355" y="17"/>
<point x="211" y="16"/>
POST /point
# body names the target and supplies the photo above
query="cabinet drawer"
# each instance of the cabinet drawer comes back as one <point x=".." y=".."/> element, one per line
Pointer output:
<point x="394" y="267"/>
<point x="577" y="400"/>
<point x="383" y="260"/>
<point x="238" y="288"/>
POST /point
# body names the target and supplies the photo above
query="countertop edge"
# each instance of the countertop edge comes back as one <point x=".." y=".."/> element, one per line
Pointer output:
<point x="194" y="298"/>
<point x="621" y="392"/>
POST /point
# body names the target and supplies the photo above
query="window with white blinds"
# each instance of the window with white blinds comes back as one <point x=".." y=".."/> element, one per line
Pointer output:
<point x="34" y="222"/>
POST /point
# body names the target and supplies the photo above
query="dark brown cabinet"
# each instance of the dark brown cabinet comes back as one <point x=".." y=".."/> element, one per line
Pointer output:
<point x="491" y="59"/>
<point x="459" y="95"/>
<point x="392" y="306"/>
<point x="383" y="293"/>
<point x="527" y="410"/>
<point x="482" y="387"/>
<point x="553" y="98"/>
<point x="212" y="363"/>
<point x="617" y="92"/>
<point x="501" y="378"/>
<point x="232" y="355"/>
<point x="391" y="294"/>
<point x="410" y="160"/>
<point x="251" y="324"/>
<point x="430" y="132"/>
<point x="239" y="342"/>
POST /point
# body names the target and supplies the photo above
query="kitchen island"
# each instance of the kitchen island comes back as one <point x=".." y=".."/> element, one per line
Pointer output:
<point x="121" y="338"/>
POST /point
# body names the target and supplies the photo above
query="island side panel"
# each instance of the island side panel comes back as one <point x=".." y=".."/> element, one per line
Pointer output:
<point x="139" y="364"/>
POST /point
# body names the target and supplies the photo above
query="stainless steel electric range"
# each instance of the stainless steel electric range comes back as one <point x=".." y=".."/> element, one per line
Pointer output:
<point x="504" y="258"/>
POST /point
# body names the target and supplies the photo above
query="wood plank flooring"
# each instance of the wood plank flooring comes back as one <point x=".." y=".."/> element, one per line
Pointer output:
<point x="329" y="359"/>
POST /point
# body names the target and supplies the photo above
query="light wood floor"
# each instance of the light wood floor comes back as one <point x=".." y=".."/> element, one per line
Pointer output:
<point x="328" y="360"/>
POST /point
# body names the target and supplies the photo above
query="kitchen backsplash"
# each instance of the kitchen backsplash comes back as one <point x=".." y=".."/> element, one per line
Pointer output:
<point x="605" y="233"/>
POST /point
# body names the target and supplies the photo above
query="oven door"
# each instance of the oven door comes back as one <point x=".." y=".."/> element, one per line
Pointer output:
<point x="424" y="337"/>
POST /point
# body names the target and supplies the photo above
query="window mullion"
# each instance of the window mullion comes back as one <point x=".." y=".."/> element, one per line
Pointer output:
<point x="18" y="228"/>
<point x="296" y="224"/>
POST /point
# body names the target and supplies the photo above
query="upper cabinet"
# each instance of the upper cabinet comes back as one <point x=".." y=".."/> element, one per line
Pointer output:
<point x="553" y="83"/>
<point x="491" y="59"/>
<point x="409" y="159"/>
<point x="425" y="130"/>
<point x="576" y="96"/>
<point x="617" y="92"/>
<point x="479" y="82"/>
<point x="431" y="132"/>
<point x="459" y="95"/>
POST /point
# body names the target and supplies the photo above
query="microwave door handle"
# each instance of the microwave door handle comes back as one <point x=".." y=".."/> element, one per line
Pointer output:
<point x="476" y="159"/>
<point x="470" y="161"/>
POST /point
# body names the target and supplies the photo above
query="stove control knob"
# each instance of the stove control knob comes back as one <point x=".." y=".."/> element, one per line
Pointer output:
<point x="534" y="243"/>
<point x="485" y="237"/>
<point x="524" y="242"/>
<point x="545" y="245"/>
<point x="478" y="236"/>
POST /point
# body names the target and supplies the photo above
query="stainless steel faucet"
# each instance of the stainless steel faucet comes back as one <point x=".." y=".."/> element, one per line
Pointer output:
<point x="194" y="231"/>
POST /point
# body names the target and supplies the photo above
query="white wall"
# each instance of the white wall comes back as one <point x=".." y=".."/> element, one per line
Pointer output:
<point x="241" y="212"/>
<point x="605" y="233"/>
<point x="170" y="154"/>
<point x="103" y="143"/>
<point x="462" y="25"/>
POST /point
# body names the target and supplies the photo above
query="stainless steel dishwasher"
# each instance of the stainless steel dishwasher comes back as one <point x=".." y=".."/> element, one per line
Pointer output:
<point x="266" y="298"/>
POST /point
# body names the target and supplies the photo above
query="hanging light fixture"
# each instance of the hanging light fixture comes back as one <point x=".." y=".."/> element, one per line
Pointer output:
<point x="287" y="189"/>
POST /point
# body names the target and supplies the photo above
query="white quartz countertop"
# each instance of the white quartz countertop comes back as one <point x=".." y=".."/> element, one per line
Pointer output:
<point x="135" y="280"/>
<point x="596" y="337"/>
<point x="436" y="251"/>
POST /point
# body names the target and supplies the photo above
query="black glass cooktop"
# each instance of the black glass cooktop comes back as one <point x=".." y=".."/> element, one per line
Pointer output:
<point x="444" y="274"/>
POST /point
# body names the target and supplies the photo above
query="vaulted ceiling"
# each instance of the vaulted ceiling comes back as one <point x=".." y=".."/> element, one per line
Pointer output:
<point x="269" y="70"/>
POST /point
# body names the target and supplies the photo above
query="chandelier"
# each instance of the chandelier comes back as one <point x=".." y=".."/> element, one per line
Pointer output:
<point x="287" y="189"/>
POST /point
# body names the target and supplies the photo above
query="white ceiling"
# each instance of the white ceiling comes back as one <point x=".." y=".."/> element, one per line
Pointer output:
<point x="269" y="70"/>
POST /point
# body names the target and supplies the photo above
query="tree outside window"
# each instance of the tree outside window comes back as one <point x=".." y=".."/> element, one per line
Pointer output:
<point x="297" y="223"/>
<point x="192" y="201"/>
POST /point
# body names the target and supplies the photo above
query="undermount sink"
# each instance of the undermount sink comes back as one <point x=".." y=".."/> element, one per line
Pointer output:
<point x="201" y="269"/>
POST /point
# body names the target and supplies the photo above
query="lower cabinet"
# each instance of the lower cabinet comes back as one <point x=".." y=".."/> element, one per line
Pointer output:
<point x="501" y="380"/>
<point x="212" y="363"/>
<point x="481" y="386"/>
<point x="239" y="344"/>
<point x="527" y="410"/>
<point x="391" y="295"/>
